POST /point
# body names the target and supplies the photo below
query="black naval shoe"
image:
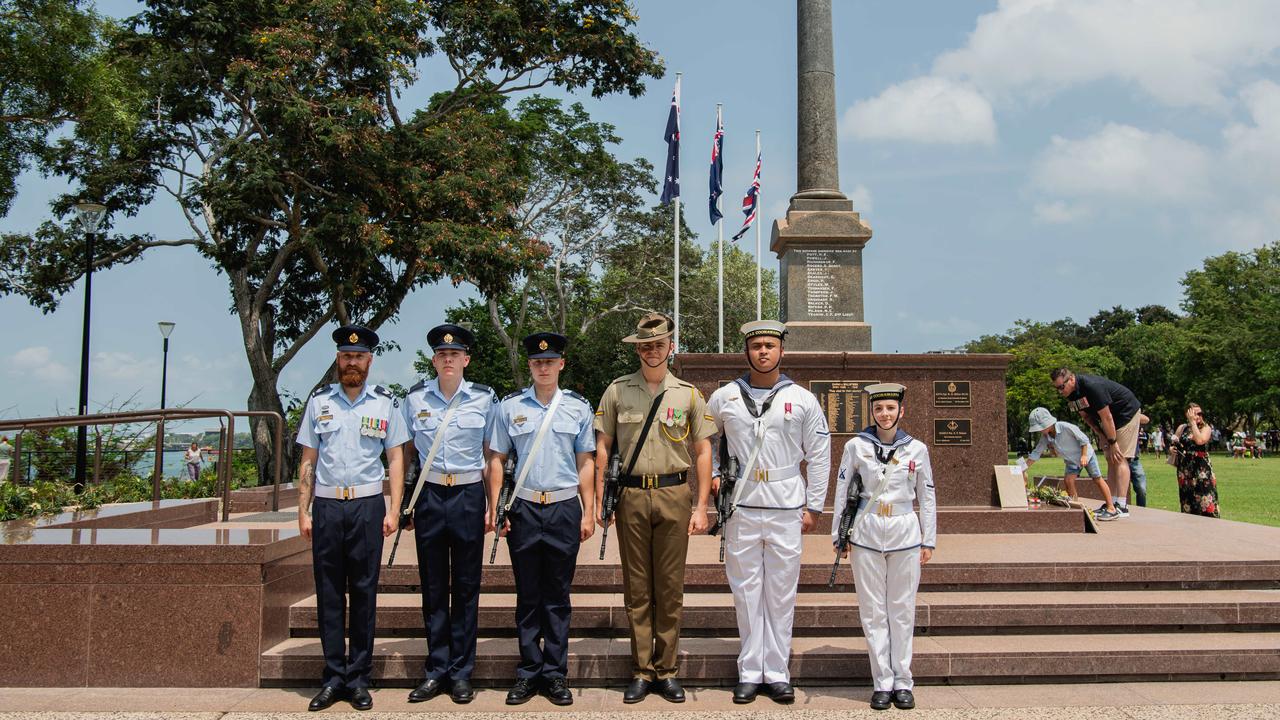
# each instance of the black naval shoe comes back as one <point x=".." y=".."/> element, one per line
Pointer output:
<point x="670" y="690"/>
<point x="745" y="692"/>
<point x="557" y="691"/>
<point x="361" y="699"/>
<point x="781" y="692"/>
<point x="903" y="699"/>
<point x="636" y="691"/>
<point x="461" y="691"/>
<point x="881" y="699"/>
<point x="324" y="699"/>
<point x="429" y="688"/>
<point x="522" y="691"/>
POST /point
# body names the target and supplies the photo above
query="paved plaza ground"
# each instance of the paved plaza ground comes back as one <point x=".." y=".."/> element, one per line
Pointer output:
<point x="1241" y="700"/>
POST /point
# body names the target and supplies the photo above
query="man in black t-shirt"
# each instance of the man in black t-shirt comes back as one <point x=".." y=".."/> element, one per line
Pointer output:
<point x="1113" y="411"/>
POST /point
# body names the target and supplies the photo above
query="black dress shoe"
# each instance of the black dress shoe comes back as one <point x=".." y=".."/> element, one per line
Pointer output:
<point x="881" y="699"/>
<point x="462" y="692"/>
<point x="361" y="699"/>
<point x="429" y="688"/>
<point x="636" y="691"/>
<point x="670" y="689"/>
<point x="903" y="699"/>
<point x="324" y="699"/>
<point x="522" y="691"/>
<point x="557" y="691"/>
<point x="745" y="692"/>
<point x="781" y="692"/>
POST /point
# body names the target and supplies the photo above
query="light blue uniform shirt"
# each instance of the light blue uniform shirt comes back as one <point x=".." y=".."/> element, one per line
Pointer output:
<point x="516" y="424"/>
<point x="462" y="449"/>
<point x="1069" y="440"/>
<point x="351" y="436"/>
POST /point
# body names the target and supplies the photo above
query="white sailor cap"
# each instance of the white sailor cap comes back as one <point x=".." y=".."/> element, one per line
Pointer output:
<point x="885" y="391"/>
<point x="767" y="328"/>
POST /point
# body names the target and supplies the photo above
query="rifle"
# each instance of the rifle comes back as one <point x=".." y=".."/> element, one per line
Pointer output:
<point x="504" y="500"/>
<point x="729" y="471"/>
<point x="846" y="523"/>
<point x="406" y="517"/>
<point x="609" y="499"/>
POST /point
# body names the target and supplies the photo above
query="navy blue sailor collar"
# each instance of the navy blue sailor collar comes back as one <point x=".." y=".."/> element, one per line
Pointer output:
<point x="745" y="382"/>
<point x="900" y="439"/>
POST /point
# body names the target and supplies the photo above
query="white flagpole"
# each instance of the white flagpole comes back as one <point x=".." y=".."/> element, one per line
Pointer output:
<point x="759" y="210"/>
<point x="675" y="230"/>
<point x="720" y="267"/>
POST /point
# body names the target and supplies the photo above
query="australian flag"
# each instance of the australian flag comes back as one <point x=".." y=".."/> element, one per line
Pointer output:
<point x="717" y="170"/>
<point x="750" y="201"/>
<point x="671" y="186"/>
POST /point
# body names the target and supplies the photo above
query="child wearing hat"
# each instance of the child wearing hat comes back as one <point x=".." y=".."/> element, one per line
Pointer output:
<point x="1076" y="451"/>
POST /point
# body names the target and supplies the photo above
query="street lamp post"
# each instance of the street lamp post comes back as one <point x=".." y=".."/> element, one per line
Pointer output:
<point x="90" y="216"/>
<point x="165" y="329"/>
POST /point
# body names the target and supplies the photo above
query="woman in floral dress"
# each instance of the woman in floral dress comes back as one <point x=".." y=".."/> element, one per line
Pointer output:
<point x="1197" y="487"/>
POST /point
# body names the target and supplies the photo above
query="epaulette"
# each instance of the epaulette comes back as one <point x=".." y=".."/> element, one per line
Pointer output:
<point x="683" y="383"/>
<point x="620" y="379"/>
<point x="515" y="394"/>
<point x="418" y="386"/>
<point x="481" y="388"/>
<point x="382" y="391"/>
<point x="577" y="396"/>
<point x="320" y="390"/>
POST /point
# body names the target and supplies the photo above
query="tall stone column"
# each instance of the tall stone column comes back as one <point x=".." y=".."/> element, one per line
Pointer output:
<point x="820" y="242"/>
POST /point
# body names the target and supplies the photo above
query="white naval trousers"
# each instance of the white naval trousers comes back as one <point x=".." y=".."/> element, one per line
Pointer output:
<point x="762" y="562"/>
<point x="886" y="584"/>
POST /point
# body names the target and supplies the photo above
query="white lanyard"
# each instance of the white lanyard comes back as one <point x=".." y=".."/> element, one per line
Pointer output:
<point x="537" y="443"/>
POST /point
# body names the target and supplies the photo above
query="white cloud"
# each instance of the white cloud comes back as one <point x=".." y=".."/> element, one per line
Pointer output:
<point x="126" y="367"/>
<point x="38" y="362"/>
<point x="861" y="197"/>
<point x="1181" y="52"/>
<point x="926" y="109"/>
<point x="1059" y="212"/>
<point x="1126" y="162"/>
<point x="1253" y="151"/>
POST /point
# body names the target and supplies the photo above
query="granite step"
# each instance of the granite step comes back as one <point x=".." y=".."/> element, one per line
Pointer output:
<point x="950" y="613"/>
<point x="842" y="660"/>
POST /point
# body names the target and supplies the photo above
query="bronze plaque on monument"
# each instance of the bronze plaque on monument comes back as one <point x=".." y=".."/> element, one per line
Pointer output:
<point x="843" y="402"/>
<point x="952" y="431"/>
<point x="952" y="393"/>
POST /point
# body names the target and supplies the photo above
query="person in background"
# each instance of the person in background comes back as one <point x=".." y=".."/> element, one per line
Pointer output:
<point x="1077" y="454"/>
<point x="1111" y="410"/>
<point x="1138" y="475"/>
<point x="194" y="458"/>
<point x="1197" y="486"/>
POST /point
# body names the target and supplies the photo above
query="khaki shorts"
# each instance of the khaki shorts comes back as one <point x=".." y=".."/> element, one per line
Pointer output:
<point x="1127" y="437"/>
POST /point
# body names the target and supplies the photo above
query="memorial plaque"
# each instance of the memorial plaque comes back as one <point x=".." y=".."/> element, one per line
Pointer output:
<point x="822" y="284"/>
<point x="952" y="431"/>
<point x="952" y="394"/>
<point x="843" y="402"/>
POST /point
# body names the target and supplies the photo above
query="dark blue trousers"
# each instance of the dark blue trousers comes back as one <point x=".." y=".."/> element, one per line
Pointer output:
<point x="544" y="553"/>
<point x="448" y="525"/>
<point x="346" y="554"/>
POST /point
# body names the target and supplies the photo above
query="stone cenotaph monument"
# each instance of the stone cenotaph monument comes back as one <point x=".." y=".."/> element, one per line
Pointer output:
<point x="955" y="402"/>
<point x="820" y="242"/>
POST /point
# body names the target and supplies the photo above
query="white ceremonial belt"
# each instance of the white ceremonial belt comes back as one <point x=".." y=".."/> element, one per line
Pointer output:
<point x="884" y="509"/>
<point x="775" y="474"/>
<point x="546" y="497"/>
<point x="451" y="479"/>
<point x="349" y="493"/>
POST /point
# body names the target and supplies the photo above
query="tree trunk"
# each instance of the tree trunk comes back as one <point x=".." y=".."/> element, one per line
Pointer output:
<point x="264" y="396"/>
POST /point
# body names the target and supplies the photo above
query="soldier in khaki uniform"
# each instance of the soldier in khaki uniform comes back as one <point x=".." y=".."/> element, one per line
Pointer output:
<point x="656" y="512"/>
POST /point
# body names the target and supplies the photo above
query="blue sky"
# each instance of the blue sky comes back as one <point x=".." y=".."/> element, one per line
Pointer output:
<point x="1019" y="159"/>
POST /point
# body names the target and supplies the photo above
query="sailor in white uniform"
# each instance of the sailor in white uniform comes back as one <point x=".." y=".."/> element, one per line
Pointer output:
<point x="770" y="424"/>
<point x="890" y="542"/>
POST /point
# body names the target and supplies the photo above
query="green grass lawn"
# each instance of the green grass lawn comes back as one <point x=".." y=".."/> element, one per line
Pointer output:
<point x="1248" y="490"/>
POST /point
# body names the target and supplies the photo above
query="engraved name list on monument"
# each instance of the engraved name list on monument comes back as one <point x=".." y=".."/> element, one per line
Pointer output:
<point x="828" y="277"/>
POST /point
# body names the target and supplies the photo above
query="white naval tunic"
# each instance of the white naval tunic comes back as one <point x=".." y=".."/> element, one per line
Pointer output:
<point x="762" y="539"/>
<point x="887" y="537"/>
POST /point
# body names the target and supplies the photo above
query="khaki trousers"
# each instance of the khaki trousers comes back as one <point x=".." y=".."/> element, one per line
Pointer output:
<point x="653" y="539"/>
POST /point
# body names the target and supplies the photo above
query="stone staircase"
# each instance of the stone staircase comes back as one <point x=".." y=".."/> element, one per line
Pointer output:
<point x="1128" y="604"/>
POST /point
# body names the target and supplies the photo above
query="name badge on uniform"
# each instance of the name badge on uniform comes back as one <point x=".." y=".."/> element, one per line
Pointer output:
<point x="373" y="427"/>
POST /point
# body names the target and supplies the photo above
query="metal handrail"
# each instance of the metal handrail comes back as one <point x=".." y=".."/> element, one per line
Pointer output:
<point x="227" y="445"/>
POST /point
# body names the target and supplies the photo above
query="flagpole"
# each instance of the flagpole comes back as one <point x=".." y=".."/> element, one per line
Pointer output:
<point x="760" y="206"/>
<point x="720" y="260"/>
<point x="675" y="231"/>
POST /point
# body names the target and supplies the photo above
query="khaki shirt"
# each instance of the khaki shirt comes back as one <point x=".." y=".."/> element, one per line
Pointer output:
<point x="682" y="420"/>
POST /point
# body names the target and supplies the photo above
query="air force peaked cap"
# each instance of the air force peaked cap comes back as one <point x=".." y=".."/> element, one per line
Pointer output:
<point x="450" y="337"/>
<point x="545" y="345"/>
<point x="355" y="338"/>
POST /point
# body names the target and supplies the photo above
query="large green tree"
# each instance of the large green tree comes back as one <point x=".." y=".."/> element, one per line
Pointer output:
<point x="276" y="128"/>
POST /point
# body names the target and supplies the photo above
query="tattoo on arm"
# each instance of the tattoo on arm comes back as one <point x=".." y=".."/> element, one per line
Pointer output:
<point x="306" y="476"/>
